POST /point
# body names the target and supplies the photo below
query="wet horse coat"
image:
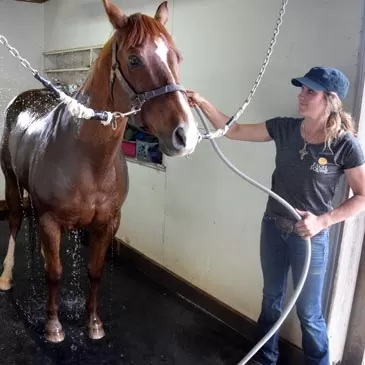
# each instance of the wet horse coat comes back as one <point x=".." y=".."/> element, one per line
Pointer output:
<point x="74" y="170"/>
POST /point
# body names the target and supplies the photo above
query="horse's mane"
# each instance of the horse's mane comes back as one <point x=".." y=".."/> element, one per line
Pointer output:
<point x="138" y="29"/>
<point x="141" y="27"/>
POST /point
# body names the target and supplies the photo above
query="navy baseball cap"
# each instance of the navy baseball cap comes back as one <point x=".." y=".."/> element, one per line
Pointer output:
<point x="324" y="79"/>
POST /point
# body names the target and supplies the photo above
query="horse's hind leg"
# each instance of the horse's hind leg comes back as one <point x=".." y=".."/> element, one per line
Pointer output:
<point x="50" y="235"/>
<point x="14" y="196"/>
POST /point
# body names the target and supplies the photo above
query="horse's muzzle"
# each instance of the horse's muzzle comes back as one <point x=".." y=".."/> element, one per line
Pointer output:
<point x="182" y="141"/>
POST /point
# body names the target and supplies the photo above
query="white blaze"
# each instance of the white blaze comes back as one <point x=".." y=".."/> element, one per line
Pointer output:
<point x="191" y="127"/>
<point x="162" y="51"/>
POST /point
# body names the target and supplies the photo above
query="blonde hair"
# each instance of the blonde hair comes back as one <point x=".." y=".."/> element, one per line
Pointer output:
<point x="338" y="121"/>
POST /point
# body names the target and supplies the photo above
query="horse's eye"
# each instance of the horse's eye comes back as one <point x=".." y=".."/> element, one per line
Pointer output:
<point x="134" y="61"/>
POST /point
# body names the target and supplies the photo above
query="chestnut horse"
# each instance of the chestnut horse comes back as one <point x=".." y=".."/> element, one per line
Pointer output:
<point x="74" y="170"/>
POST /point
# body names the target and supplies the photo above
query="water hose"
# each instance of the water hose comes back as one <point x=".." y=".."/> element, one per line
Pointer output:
<point x="304" y="274"/>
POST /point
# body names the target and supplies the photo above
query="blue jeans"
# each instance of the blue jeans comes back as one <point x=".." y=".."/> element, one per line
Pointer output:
<point x="278" y="252"/>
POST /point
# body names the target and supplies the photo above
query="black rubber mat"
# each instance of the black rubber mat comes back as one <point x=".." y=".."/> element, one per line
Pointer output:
<point x="144" y="324"/>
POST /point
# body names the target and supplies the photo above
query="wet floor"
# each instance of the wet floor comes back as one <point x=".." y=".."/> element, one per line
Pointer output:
<point x="144" y="324"/>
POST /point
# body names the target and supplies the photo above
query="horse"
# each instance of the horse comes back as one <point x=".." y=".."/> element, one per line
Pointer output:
<point x="73" y="169"/>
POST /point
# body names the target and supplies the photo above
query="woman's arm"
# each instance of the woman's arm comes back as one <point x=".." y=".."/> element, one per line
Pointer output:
<point x="312" y="224"/>
<point x="353" y="205"/>
<point x="243" y="132"/>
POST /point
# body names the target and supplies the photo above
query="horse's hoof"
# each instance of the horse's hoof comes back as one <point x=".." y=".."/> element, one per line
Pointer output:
<point x="5" y="284"/>
<point x="54" y="332"/>
<point x="55" y="336"/>
<point x="96" y="330"/>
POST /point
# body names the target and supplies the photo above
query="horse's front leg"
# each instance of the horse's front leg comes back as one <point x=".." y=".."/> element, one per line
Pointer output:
<point x="99" y="242"/>
<point x="50" y="235"/>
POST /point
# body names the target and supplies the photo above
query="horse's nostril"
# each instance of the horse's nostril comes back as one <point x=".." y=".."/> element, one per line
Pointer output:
<point x="179" y="138"/>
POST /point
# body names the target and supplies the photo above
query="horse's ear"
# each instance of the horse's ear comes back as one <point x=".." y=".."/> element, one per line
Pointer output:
<point x="162" y="13"/>
<point x="116" y="15"/>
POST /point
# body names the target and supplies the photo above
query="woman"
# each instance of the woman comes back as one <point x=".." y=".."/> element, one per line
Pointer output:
<point x="312" y="154"/>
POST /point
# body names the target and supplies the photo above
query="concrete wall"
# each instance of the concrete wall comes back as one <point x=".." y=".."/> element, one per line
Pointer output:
<point x="22" y="25"/>
<point x="345" y="316"/>
<point x="355" y="343"/>
<point x="197" y="218"/>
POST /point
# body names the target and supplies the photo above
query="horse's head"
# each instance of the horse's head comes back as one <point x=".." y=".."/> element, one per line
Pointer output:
<point x="146" y="69"/>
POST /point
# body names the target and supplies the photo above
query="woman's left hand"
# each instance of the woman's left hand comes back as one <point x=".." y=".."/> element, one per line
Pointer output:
<point x="310" y="224"/>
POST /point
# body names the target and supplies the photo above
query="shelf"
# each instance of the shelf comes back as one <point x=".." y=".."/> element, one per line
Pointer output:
<point x="159" y="167"/>
<point x="70" y="66"/>
<point x="54" y="70"/>
<point x="71" y="50"/>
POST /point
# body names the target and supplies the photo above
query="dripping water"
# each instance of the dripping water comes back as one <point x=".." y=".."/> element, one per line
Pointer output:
<point x="32" y="302"/>
<point x="28" y="259"/>
<point x="35" y="247"/>
<point x="73" y="298"/>
<point x="110" y="283"/>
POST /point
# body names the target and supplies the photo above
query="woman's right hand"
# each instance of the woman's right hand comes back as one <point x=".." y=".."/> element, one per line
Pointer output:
<point x="194" y="98"/>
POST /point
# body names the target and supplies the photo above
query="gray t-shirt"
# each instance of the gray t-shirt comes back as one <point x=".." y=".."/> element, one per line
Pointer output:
<point x="308" y="184"/>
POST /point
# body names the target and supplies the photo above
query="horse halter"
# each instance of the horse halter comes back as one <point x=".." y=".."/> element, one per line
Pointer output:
<point x="137" y="99"/>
